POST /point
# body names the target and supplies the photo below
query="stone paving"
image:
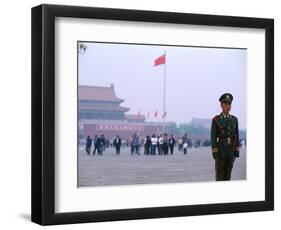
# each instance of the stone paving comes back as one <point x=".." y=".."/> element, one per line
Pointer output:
<point x="126" y="169"/>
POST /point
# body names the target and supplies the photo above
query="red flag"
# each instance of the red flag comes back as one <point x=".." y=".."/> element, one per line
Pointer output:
<point x="160" y="60"/>
<point x="156" y="114"/>
<point x="164" y="114"/>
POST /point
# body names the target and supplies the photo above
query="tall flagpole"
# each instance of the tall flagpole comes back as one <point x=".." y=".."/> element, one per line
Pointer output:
<point x="164" y="95"/>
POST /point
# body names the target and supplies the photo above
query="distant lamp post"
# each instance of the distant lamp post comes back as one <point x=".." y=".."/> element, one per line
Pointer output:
<point x="82" y="48"/>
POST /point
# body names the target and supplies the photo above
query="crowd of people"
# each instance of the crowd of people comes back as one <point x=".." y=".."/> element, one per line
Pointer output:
<point x="162" y="144"/>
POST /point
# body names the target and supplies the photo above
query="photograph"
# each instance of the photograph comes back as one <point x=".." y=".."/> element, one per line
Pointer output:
<point x="157" y="114"/>
<point x="141" y="114"/>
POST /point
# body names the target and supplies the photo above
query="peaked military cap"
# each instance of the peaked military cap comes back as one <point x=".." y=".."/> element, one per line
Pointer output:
<point x="227" y="97"/>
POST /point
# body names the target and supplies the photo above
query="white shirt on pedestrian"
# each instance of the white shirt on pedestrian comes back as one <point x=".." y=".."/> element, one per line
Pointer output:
<point x="154" y="140"/>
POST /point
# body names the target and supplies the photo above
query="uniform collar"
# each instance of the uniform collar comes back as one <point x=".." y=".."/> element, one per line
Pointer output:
<point x="225" y="115"/>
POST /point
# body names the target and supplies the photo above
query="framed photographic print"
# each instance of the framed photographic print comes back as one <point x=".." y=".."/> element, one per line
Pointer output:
<point x="148" y="114"/>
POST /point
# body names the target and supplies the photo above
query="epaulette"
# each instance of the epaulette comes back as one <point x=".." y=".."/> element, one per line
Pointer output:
<point x="234" y="117"/>
<point x="215" y="118"/>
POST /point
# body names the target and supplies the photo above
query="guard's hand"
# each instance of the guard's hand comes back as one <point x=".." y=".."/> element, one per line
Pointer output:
<point x="215" y="157"/>
<point x="234" y="158"/>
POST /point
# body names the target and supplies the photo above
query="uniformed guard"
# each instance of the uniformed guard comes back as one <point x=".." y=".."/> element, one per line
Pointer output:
<point x="225" y="139"/>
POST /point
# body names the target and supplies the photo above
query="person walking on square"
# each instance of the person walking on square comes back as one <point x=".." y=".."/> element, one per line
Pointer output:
<point x="185" y="146"/>
<point x="95" y="144"/>
<point x="88" y="145"/>
<point x="100" y="145"/>
<point x="130" y="143"/>
<point x="103" y="143"/>
<point x="117" y="144"/>
<point x="160" y="145"/>
<point x="139" y="144"/>
<point x="172" y="143"/>
<point x="224" y="139"/>
<point x="147" y="146"/>
<point x="135" y="144"/>
<point x="153" y="144"/>
<point x="180" y="143"/>
<point x="165" y="144"/>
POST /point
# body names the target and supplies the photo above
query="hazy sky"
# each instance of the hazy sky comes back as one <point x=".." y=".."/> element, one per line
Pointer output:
<point x="195" y="78"/>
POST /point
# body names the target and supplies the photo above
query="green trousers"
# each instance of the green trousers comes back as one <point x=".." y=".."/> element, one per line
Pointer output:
<point x="223" y="167"/>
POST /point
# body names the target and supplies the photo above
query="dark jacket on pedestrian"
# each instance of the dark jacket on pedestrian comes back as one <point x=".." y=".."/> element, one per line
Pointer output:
<point x="117" y="142"/>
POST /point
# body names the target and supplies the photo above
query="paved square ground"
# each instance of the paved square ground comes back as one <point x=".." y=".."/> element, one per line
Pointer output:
<point x="125" y="169"/>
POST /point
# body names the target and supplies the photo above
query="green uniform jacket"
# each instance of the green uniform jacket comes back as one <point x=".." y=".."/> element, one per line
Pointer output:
<point x="225" y="136"/>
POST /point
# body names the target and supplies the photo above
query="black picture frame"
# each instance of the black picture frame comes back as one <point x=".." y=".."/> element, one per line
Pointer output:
<point x="43" y="114"/>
